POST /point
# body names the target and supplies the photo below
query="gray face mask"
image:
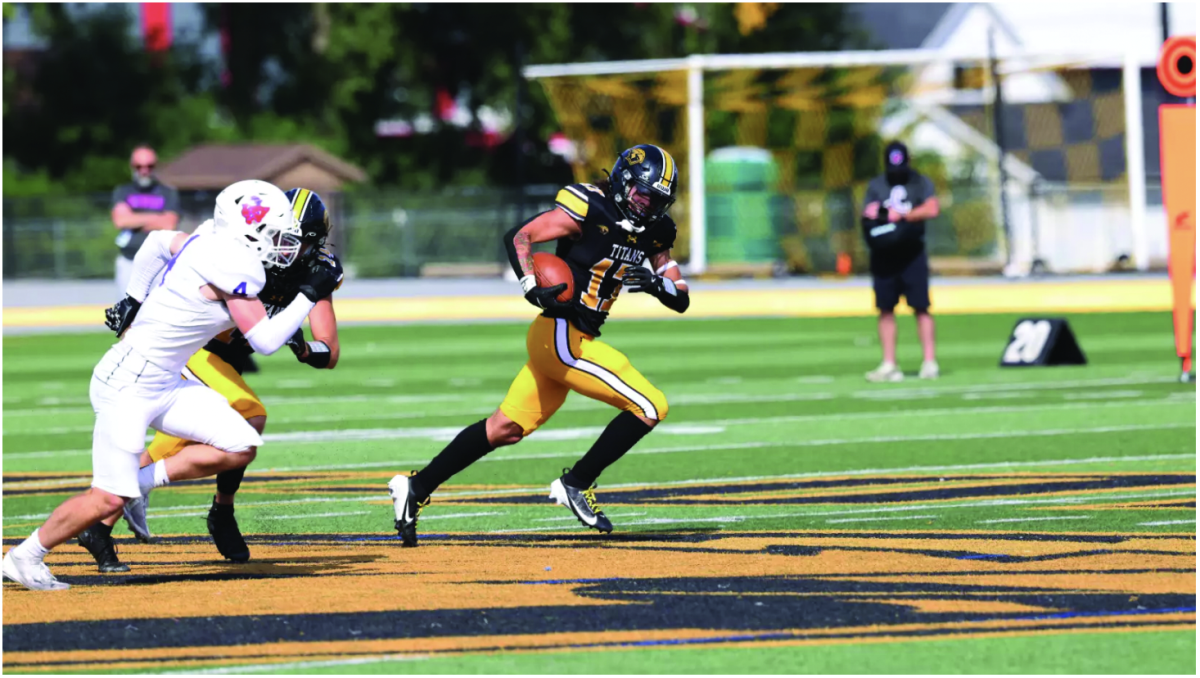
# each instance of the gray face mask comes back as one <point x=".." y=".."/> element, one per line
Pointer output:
<point x="145" y="181"/>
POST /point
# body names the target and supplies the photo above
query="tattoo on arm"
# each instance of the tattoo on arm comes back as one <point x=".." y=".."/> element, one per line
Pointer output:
<point x="524" y="251"/>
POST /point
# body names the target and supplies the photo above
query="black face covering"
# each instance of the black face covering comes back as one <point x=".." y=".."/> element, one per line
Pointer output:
<point x="895" y="163"/>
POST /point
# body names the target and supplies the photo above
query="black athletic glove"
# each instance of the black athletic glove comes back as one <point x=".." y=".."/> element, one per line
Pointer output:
<point x="120" y="315"/>
<point x="642" y="279"/>
<point x="297" y="344"/>
<point x="313" y="353"/>
<point x="321" y="282"/>
<point x="545" y="297"/>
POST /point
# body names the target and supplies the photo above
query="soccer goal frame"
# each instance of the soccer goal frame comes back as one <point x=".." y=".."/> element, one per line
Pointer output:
<point x="1018" y="246"/>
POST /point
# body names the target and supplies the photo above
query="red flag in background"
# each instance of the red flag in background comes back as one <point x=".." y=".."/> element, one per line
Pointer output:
<point x="156" y="25"/>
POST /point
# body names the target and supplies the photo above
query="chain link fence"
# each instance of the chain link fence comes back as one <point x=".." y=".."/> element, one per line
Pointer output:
<point x="378" y="234"/>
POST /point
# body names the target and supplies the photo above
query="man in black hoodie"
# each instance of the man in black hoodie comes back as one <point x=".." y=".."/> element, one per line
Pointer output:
<point x="898" y="203"/>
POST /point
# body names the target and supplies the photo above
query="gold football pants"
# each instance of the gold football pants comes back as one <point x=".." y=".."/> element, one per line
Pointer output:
<point x="563" y="359"/>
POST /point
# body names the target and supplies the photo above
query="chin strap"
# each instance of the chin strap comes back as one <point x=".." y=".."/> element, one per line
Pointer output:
<point x="628" y="226"/>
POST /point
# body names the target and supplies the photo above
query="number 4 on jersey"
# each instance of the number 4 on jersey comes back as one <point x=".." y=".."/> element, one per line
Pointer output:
<point x="240" y="289"/>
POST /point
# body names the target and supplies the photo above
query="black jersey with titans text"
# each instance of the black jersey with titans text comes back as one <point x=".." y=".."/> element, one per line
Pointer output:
<point x="281" y="289"/>
<point x="604" y="250"/>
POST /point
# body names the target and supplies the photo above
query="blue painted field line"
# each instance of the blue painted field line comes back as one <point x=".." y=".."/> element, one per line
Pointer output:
<point x="1103" y="613"/>
<point x="572" y="581"/>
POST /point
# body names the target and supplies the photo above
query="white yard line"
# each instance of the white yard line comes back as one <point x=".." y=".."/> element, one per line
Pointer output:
<point x="562" y="518"/>
<point x="680" y="399"/>
<point x="448" y="432"/>
<point x="293" y="666"/>
<point x="864" y="520"/>
<point x="46" y="453"/>
<point x="941" y="412"/>
<point x="57" y="482"/>
<point x="756" y="445"/>
<point x="889" y="394"/>
<point x="1089" y="498"/>
<point x="1190" y="521"/>
<point x="309" y="515"/>
<point x="915" y="469"/>
<point x="1030" y="520"/>
<point x="448" y="516"/>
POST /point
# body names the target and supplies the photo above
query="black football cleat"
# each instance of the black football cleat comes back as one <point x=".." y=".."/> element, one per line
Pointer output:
<point x="223" y="529"/>
<point x="98" y="540"/>
<point x="407" y="509"/>
<point x="582" y="503"/>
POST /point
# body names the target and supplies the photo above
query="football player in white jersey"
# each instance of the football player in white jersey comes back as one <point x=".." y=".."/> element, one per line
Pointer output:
<point x="200" y="286"/>
<point x="219" y="366"/>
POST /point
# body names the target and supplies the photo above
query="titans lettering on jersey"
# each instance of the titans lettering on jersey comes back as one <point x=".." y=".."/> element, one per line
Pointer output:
<point x="280" y="291"/>
<point x="604" y="250"/>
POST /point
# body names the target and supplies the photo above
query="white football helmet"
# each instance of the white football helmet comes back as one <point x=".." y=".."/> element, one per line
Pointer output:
<point x="259" y="215"/>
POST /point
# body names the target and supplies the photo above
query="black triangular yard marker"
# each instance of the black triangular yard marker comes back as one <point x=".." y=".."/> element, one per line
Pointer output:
<point x="1041" y="342"/>
<point x="1064" y="350"/>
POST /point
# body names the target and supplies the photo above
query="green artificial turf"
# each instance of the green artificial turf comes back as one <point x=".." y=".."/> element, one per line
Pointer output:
<point x="750" y="401"/>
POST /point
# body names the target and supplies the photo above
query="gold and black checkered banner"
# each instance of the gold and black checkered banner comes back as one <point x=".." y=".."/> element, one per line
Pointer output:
<point x="822" y="128"/>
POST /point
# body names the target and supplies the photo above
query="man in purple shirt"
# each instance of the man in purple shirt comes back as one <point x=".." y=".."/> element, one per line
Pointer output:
<point x="141" y="206"/>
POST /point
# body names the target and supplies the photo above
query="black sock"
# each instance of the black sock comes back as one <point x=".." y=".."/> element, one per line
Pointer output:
<point x="102" y="529"/>
<point x="621" y="434"/>
<point x="468" y="447"/>
<point x="229" y="481"/>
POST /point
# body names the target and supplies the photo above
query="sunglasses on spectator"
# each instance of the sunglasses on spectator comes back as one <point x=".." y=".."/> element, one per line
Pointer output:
<point x="150" y="166"/>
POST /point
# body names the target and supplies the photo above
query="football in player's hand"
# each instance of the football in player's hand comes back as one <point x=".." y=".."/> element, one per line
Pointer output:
<point x="551" y="271"/>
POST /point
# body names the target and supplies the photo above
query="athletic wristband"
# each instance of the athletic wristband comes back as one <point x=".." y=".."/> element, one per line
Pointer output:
<point x="318" y="356"/>
<point x="528" y="282"/>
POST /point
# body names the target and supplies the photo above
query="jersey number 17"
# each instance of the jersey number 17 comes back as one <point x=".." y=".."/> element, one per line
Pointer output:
<point x="604" y="286"/>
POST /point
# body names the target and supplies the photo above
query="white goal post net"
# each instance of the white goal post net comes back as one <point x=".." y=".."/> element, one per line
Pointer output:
<point x="777" y="150"/>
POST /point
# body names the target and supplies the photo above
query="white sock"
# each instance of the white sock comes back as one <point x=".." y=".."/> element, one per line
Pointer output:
<point x="152" y="476"/>
<point x="888" y="365"/>
<point x="160" y="473"/>
<point x="33" y="547"/>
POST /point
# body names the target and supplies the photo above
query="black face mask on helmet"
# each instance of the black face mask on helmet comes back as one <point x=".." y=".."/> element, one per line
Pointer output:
<point x="651" y="173"/>
<point x="895" y="163"/>
<point x="313" y="216"/>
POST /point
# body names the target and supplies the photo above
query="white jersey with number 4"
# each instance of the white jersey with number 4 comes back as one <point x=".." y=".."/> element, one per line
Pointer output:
<point x="176" y="320"/>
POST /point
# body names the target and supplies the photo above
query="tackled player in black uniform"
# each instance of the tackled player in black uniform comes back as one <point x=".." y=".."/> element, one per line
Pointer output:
<point x="220" y="365"/>
<point x="612" y="235"/>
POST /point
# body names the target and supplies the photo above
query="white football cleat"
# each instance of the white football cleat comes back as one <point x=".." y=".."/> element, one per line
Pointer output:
<point x="582" y="503"/>
<point x="929" y="370"/>
<point x="407" y="508"/>
<point x="135" y="517"/>
<point x="885" y="372"/>
<point x="30" y="573"/>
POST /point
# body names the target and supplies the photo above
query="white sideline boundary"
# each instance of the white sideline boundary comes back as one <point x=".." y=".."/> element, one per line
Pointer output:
<point x="702" y="481"/>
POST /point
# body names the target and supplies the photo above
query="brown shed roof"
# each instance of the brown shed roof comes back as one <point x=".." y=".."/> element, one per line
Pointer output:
<point x="213" y="166"/>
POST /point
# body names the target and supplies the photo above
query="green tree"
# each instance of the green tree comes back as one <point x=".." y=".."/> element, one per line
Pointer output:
<point x="91" y="97"/>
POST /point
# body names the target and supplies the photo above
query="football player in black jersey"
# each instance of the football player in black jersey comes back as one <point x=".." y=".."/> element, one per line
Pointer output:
<point x="219" y="365"/>
<point x="615" y="235"/>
